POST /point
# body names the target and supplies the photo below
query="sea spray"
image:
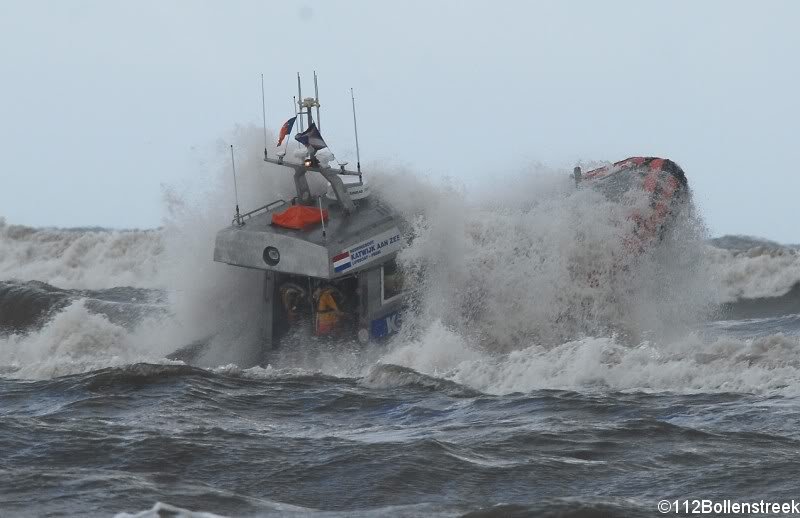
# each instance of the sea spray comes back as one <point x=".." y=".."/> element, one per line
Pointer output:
<point x="512" y="289"/>
<point x="80" y="258"/>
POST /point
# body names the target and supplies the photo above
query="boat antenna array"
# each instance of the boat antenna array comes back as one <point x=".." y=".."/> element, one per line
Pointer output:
<point x="302" y="107"/>
<point x="299" y="104"/>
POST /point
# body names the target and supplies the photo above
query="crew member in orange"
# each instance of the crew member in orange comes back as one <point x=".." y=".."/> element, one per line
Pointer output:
<point x="327" y="316"/>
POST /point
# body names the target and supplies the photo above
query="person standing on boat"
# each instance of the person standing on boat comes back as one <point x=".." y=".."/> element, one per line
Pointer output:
<point x="327" y="317"/>
<point x="294" y="298"/>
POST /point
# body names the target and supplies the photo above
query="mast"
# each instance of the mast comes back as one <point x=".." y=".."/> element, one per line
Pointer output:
<point x="316" y="97"/>
<point x="300" y="101"/>
<point x="235" y="189"/>
<point x="303" y="106"/>
<point x="308" y="103"/>
<point x="355" y="128"/>
<point x="264" y="115"/>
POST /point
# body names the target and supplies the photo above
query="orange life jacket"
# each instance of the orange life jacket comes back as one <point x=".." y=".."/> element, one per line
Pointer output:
<point x="327" y="314"/>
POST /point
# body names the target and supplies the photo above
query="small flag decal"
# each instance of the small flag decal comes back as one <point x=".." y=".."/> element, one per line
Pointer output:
<point x="341" y="262"/>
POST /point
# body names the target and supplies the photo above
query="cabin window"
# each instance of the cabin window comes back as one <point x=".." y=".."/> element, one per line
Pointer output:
<point x="391" y="281"/>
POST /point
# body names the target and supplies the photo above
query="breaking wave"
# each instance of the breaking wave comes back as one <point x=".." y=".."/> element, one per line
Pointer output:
<point x="521" y="289"/>
<point x="81" y="258"/>
<point x="691" y="364"/>
<point x="760" y="271"/>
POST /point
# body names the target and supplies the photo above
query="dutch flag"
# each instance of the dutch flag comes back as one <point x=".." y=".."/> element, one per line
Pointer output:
<point x="286" y="129"/>
<point x="341" y="262"/>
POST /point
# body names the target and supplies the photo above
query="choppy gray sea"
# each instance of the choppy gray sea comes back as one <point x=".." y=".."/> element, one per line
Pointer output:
<point x="94" y="421"/>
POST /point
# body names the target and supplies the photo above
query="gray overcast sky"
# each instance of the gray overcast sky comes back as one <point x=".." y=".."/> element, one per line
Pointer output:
<point x="103" y="101"/>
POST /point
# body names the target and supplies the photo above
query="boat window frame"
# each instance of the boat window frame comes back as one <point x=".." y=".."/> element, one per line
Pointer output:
<point x="399" y="294"/>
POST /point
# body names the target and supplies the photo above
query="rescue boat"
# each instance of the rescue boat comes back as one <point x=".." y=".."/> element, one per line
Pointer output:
<point x="328" y="258"/>
<point x="660" y="180"/>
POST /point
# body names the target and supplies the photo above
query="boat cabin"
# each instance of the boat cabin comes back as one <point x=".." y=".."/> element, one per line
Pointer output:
<point x="328" y="258"/>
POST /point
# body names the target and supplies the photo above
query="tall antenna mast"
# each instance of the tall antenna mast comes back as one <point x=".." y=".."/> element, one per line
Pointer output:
<point x="316" y="95"/>
<point x="355" y="128"/>
<point x="300" y="101"/>
<point x="264" y="115"/>
<point x="235" y="189"/>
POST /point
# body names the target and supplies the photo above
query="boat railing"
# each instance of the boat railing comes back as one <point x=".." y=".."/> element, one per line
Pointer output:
<point x="266" y="208"/>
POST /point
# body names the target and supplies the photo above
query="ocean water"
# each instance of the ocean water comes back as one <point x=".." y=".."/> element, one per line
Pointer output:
<point x="516" y="387"/>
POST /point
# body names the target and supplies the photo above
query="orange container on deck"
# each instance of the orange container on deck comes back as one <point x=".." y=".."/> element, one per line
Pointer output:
<point x="300" y="217"/>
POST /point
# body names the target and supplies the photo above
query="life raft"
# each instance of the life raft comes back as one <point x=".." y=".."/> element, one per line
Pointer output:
<point x="300" y="217"/>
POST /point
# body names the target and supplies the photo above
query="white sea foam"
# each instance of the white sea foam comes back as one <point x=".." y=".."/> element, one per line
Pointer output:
<point x="544" y="265"/>
<point x="161" y="509"/>
<point x="760" y="271"/>
<point x="178" y="253"/>
<point x="89" y="259"/>
<point x="75" y="341"/>
<point x="688" y="365"/>
<point x="210" y="299"/>
<point x="524" y="287"/>
<point x="502" y="282"/>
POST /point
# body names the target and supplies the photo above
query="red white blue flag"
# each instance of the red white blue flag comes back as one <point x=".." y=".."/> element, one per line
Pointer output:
<point x="341" y="262"/>
<point x="286" y="129"/>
